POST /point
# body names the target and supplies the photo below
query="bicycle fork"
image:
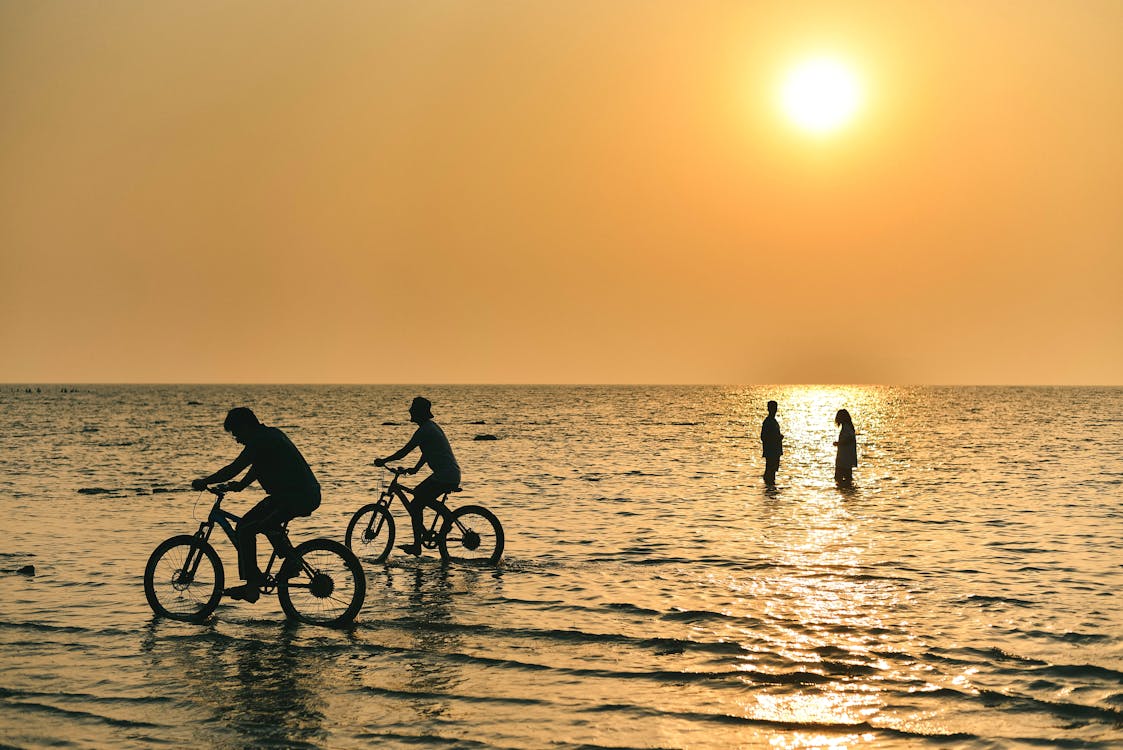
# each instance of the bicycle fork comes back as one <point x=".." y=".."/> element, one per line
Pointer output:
<point x="195" y="554"/>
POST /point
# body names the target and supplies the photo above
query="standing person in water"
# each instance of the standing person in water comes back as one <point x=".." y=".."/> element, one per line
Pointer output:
<point x="847" y="457"/>
<point x="773" y="443"/>
<point x="436" y="452"/>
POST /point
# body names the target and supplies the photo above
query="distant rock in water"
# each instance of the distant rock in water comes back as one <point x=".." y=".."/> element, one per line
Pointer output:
<point x="94" y="491"/>
<point x="485" y="437"/>
<point x="392" y="424"/>
<point x="479" y="421"/>
<point x="194" y="403"/>
<point x="27" y="570"/>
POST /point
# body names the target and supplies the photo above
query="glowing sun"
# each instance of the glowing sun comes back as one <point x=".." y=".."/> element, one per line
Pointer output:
<point x="821" y="95"/>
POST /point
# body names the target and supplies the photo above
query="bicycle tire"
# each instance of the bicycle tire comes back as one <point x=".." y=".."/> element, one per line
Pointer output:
<point x="472" y="534"/>
<point x="172" y="593"/>
<point x="329" y="588"/>
<point x="370" y="532"/>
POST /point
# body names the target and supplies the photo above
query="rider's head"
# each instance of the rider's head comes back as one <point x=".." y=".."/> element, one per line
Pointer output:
<point x="772" y="406"/>
<point x="240" y="421"/>
<point x="420" y="410"/>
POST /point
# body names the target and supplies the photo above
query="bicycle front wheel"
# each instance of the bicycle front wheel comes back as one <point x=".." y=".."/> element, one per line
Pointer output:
<point x="328" y="587"/>
<point x="371" y="532"/>
<point x="472" y="534"/>
<point x="183" y="579"/>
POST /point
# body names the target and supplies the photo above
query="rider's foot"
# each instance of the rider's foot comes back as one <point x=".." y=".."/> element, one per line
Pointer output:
<point x="411" y="549"/>
<point x="289" y="568"/>
<point x="247" y="592"/>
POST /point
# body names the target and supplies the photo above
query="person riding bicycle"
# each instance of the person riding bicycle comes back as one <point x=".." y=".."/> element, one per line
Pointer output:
<point x="435" y="451"/>
<point x="276" y="464"/>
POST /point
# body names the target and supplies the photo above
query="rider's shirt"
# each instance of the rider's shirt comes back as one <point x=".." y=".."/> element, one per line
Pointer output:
<point x="279" y="466"/>
<point x="436" y="451"/>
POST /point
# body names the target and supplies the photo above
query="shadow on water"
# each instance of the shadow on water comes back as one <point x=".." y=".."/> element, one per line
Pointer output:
<point x="267" y="691"/>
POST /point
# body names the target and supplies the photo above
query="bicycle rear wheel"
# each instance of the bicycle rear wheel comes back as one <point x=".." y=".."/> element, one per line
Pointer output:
<point x="328" y="588"/>
<point x="371" y="532"/>
<point x="183" y="579"/>
<point x="472" y="534"/>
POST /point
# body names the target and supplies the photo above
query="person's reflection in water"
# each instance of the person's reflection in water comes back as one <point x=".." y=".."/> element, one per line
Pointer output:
<point x="847" y="457"/>
<point x="430" y="614"/>
<point x="269" y="691"/>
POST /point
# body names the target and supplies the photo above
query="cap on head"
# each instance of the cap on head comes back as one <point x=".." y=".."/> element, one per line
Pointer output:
<point x="421" y="409"/>
<point x="240" y="419"/>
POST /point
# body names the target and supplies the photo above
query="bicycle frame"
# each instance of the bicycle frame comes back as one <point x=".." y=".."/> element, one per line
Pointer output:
<point x="394" y="489"/>
<point x="226" y="521"/>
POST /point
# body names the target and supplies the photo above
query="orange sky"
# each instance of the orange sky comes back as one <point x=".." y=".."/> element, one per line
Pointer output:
<point x="557" y="192"/>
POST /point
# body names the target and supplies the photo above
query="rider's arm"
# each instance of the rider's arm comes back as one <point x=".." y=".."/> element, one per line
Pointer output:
<point x="405" y="451"/>
<point x="247" y="480"/>
<point x="230" y="471"/>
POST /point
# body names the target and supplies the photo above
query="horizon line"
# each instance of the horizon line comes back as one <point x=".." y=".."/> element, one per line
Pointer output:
<point x="586" y="384"/>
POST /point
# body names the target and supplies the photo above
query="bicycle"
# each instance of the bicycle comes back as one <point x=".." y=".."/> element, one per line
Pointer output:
<point x="471" y="533"/>
<point x="321" y="582"/>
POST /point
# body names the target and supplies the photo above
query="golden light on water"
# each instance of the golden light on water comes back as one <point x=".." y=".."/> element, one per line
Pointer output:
<point x="834" y="615"/>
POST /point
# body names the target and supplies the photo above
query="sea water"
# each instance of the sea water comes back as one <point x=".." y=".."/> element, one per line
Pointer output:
<point x="653" y="593"/>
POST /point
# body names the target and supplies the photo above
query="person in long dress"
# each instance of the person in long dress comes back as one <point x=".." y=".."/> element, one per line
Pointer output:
<point x="847" y="457"/>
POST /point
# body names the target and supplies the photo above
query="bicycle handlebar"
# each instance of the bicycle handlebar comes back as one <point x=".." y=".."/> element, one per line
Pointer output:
<point x="396" y="470"/>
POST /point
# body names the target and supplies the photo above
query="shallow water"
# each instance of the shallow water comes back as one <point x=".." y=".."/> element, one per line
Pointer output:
<point x="653" y="592"/>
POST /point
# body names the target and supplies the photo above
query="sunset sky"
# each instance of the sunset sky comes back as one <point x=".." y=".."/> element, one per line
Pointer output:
<point x="559" y="192"/>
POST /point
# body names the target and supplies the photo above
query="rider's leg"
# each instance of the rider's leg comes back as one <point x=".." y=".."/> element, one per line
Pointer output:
<point x="426" y="493"/>
<point x="264" y="518"/>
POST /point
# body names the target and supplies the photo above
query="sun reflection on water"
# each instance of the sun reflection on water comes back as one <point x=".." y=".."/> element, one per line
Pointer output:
<point x="827" y="614"/>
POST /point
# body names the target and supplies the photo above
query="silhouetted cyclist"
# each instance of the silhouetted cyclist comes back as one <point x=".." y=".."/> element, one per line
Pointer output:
<point x="436" y="452"/>
<point x="276" y="464"/>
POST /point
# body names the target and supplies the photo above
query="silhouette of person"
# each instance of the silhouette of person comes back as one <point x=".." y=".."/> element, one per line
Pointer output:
<point x="773" y="443"/>
<point x="276" y="464"/>
<point x="847" y="457"/>
<point x="435" y="451"/>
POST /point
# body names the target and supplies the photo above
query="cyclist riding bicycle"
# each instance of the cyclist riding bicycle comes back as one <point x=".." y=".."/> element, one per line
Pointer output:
<point x="435" y="451"/>
<point x="276" y="464"/>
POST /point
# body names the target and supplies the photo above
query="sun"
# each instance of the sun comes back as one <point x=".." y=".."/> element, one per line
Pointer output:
<point x="821" y="95"/>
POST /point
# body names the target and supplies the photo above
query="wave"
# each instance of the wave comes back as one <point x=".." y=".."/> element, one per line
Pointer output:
<point x="15" y="694"/>
<point x="41" y="627"/>
<point x="819" y="727"/>
<point x="428" y="739"/>
<point x="1061" y="709"/>
<point x="55" y="712"/>
<point x="658" y="645"/>
<point x="482" y="699"/>
<point x="985" y="600"/>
